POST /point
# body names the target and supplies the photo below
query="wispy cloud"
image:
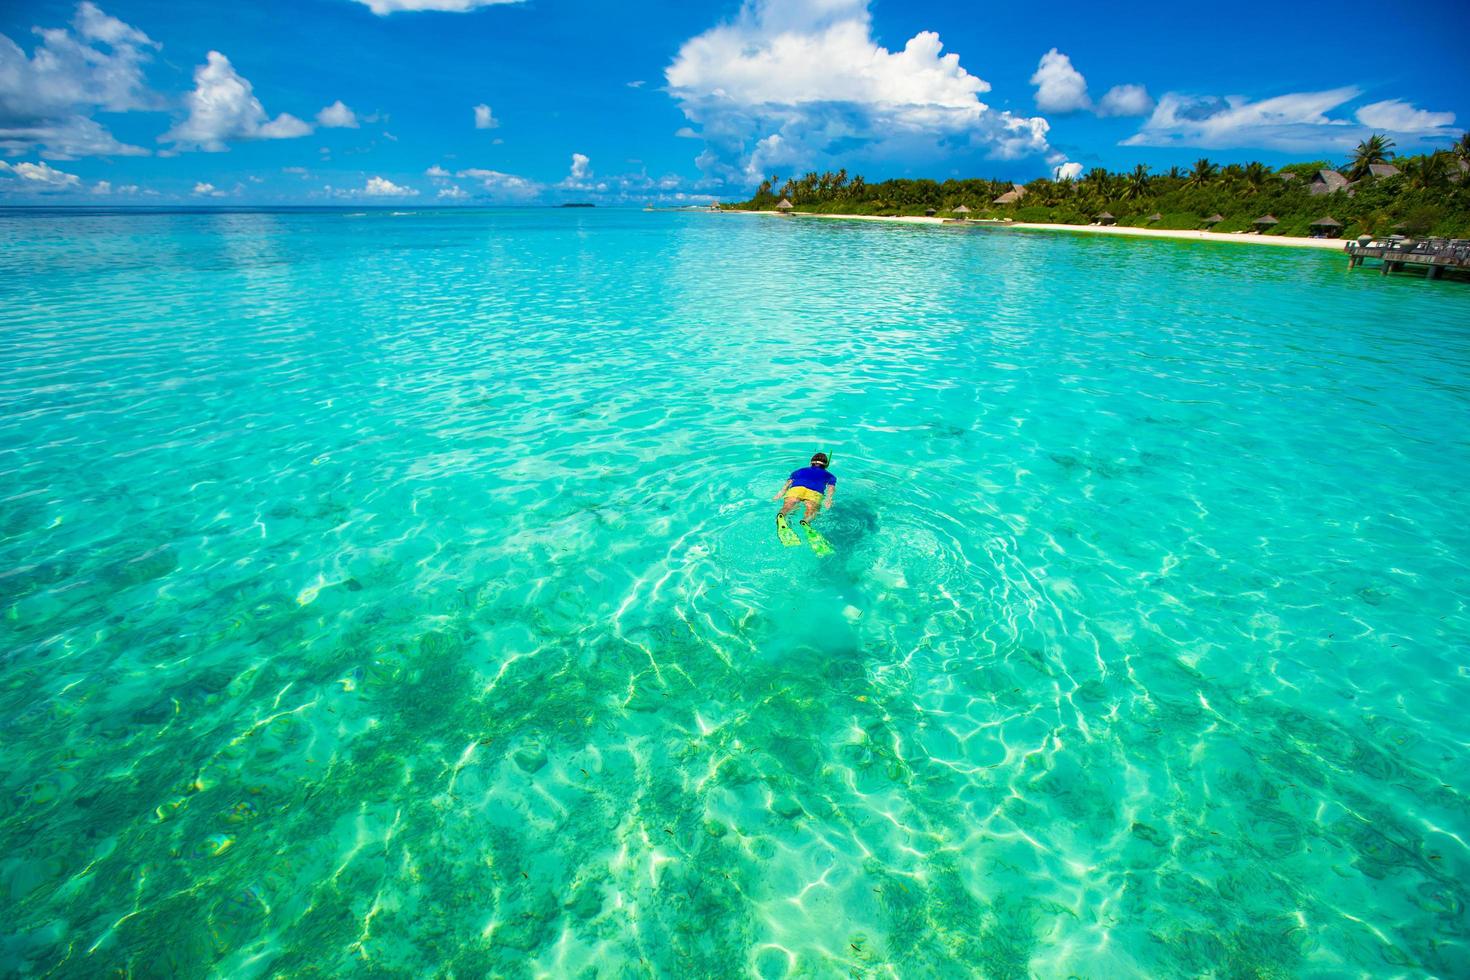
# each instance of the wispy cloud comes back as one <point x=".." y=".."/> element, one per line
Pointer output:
<point x="1298" y="122"/>
<point x="502" y="186"/>
<point x="1398" y="116"/>
<point x="385" y="7"/>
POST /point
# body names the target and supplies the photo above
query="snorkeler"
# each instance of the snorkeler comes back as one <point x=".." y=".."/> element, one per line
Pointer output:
<point x="811" y="485"/>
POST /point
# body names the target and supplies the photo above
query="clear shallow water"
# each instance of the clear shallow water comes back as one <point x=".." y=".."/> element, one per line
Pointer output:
<point x="401" y="592"/>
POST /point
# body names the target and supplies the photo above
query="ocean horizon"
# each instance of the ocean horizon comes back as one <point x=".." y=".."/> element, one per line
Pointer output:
<point x="402" y="593"/>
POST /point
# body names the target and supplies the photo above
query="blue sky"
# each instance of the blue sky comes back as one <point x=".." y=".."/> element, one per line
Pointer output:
<point x="542" y="101"/>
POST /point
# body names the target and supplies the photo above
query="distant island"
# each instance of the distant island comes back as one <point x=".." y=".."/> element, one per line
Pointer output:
<point x="579" y="204"/>
<point x="1373" y="193"/>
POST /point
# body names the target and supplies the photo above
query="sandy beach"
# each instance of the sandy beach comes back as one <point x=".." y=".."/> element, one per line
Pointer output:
<point x="1334" y="244"/>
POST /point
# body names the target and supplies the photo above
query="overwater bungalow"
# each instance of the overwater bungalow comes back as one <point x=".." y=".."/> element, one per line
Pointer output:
<point x="1326" y="227"/>
<point x="1265" y="222"/>
<point x="961" y="211"/>
<point x="1104" y="218"/>
<point x="785" y="206"/>
<point x="1327" y="182"/>
<point x="1214" y="220"/>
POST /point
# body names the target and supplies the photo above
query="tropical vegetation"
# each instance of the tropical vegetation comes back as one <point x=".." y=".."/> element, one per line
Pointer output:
<point x="1429" y="195"/>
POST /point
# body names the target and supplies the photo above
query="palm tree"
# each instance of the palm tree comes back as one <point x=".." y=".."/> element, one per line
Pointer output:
<point x="1375" y="149"/>
<point x="1461" y="148"/>
<point x="1137" y="183"/>
<point x="1429" y="172"/>
<point x="1098" y="181"/>
<point x="1256" y="176"/>
<point x="1202" y="174"/>
<point x="1175" y="173"/>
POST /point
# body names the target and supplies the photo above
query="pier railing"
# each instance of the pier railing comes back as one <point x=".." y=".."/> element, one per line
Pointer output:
<point x="1431" y="254"/>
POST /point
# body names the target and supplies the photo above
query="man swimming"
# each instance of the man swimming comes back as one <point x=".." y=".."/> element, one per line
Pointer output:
<point x="811" y="485"/>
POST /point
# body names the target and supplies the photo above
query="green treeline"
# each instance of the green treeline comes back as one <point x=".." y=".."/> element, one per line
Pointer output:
<point x="1429" y="195"/>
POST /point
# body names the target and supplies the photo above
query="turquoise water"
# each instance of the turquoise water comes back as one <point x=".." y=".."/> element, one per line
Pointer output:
<point x="399" y="593"/>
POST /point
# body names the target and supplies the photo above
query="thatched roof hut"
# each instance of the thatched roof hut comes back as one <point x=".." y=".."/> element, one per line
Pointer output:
<point x="930" y="212"/>
<point x="785" y="205"/>
<point x="1327" y="182"/>
<point x="1326" y="227"/>
<point x="1156" y="216"/>
<point x="1266" y="220"/>
<point x="1012" y="196"/>
<point x="1214" y="219"/>
<point x="1383" y="170"/>
<point x="1105" y="219"/>
<point x="961" y="210"/>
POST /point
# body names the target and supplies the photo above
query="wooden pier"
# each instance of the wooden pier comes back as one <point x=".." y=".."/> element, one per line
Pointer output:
<point x="1433" y="255"/>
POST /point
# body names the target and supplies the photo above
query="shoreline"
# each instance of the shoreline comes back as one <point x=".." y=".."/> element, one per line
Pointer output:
<point x="1280" y="241"/>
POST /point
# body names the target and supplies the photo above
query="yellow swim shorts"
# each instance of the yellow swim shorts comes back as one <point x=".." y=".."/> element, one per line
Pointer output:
<point x="802" y="493"/>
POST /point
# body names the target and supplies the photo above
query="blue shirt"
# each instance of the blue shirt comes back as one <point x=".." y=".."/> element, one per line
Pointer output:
<point x="813" y="478"/>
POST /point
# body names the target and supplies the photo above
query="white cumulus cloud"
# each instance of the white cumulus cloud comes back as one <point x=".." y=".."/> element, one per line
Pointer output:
<point x="484" y="118"/>
<point x="1059" y="86"/>
<point x="579" y="176"/>
<point x="1070" y="170"/>
<point x="382" y="187"/>
<point x="207" y="190"/>
<point x="1397" y="116"/>
<point x="436" y="172"/>
<point x="223" y="107"/>
<point x="47" y="98"/>
<point x="454" y="193"/>
<point x="385" y="7"/>
<point x="337" y="116"/>
<point x="41" y="176"/>
<point x="1125" y="100"/>
<point x="797" y="80"/>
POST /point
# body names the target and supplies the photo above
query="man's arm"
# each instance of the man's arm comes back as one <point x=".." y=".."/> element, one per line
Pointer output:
<point x="831" y="492"/>
<point x="782" y="492"/>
